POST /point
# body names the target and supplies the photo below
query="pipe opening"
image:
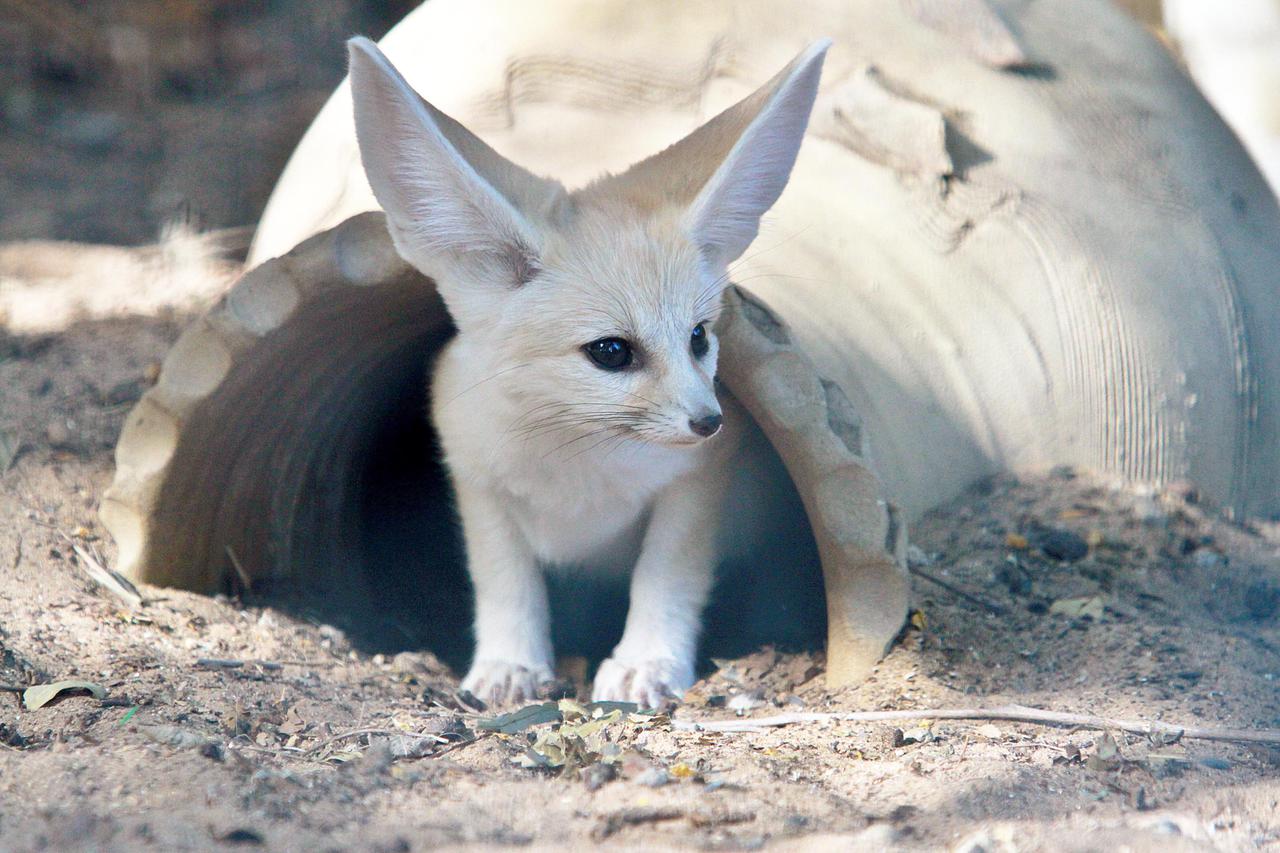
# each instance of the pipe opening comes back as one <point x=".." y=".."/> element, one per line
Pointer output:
<point x="301" y="472"/>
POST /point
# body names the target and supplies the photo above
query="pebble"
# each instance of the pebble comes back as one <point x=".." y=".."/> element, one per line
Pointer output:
<point x="1262" y="600"/>
<point x="596" y="775"/>
<point x="58" y="433"/>
<point x="1058" y="544"/>
<point x="654" y="777"/>
<point x="1206" y="559"/>
<point x="1148" y="511"/>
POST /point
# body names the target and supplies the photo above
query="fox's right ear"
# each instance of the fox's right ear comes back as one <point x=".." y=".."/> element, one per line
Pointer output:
<point x="453" y="204"/>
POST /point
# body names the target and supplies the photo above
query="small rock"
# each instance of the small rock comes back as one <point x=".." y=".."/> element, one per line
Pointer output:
<point x="1059" y="544"/>
<point x="58" y="433"/>
<point x="654" y="777"/>
<point x="743" y="702"/>
<point x="1262" y="600"/>
<point x="1148" y="510"/>
<point x="597" y="775"/>
<point x="1013" y="577"/>
<point x="1206" y="559"/>
<point x="123" y="392"/>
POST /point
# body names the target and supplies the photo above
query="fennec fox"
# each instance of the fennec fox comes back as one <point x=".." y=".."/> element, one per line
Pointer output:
<point x="576" y="405"/>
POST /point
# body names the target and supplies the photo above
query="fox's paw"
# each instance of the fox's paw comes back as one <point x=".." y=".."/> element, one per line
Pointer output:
<point x="648" y="683"/>
<point x="502" y="682"/>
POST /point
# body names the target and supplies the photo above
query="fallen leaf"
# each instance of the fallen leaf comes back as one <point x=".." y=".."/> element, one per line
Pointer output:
<point x="1085" y="607"/>
<point x="39" y="695"/>
<point x="518" y="721"/>
<point x="1016" y="541"/>
<point x="682" y="771"/>
<point x="8" y="451"/>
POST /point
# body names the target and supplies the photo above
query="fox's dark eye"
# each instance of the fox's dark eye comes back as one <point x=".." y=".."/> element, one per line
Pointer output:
<point x="698" y="341"/>
<point x="610" y="353"/>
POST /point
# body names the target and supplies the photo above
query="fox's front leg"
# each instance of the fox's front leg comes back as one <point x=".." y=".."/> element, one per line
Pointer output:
<point x="655" y="659"/>
<point x="513" y="634"/>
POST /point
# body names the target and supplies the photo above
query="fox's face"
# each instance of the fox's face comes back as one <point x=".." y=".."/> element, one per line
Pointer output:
<point x="613" y="335"/>
<point x="596" y="309"/>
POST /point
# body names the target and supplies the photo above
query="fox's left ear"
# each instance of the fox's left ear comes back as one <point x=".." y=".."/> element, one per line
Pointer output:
<point x="725" y="217"/>
<point x="736" y="165"/>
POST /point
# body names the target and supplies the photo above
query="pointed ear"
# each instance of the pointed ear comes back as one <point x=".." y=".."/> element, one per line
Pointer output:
<point x="732" y="169"/>
<point x="724" y="218"/>
<point x="456" y="209"/>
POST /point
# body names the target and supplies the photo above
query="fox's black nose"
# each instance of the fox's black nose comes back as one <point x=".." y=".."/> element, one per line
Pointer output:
<point x="707" y="425"/>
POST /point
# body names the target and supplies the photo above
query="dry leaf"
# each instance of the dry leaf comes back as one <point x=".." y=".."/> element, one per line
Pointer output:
<point x="39" y="695"/>
<point x="8" y="451"/>
<point x="1089" y="606"/>
<point x="518" y="721"/>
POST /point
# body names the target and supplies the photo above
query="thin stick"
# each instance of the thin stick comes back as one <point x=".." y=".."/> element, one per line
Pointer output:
<point x="991" y="606"/>
<point x="384" y="732"/>
<point x="245" y="580"/>
<point x="113" y="582"/>
<point x="1013" y="713"/>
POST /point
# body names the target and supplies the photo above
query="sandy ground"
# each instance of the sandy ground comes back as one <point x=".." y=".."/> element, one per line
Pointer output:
<point x="1169" y="615"/>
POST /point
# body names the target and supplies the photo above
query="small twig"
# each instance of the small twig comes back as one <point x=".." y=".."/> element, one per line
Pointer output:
<point x="12" y="688"/>
<point x="990" y="606"/>
<point x="1013" y="713"/>
<point x="113" y="582"/>
<point x="383" y="732"/>
<point x="245" y="580"/>
<point x="236" y="663"/>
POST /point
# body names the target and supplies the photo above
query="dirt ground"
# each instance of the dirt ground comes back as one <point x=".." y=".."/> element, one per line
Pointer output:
<point x="1169" y="615"/>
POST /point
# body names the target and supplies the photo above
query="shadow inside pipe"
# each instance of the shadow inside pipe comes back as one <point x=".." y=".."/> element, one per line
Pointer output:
<point x="410" y="591"/>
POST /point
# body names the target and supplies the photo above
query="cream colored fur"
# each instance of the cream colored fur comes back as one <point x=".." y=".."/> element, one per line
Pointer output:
<point x="556" y="462"/>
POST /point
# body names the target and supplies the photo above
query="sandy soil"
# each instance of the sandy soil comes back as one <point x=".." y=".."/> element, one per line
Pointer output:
<point x="332" y="748"/>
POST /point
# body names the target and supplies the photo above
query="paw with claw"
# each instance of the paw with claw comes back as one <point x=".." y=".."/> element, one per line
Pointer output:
<point x="501" y="682"/>
<point x="649" y="683"/>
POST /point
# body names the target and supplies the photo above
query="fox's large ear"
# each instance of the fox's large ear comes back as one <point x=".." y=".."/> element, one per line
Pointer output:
<point x="732" y="169"/>
<point x="456" y="209"/>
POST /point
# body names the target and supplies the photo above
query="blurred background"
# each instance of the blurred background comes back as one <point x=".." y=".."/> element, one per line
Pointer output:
<point x="119" y="116"/>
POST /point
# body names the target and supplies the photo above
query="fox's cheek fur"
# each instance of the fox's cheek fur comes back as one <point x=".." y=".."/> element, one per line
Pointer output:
<point x="524" y="268"/>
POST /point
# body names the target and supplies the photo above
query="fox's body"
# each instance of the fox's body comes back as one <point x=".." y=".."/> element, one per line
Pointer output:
<point x="577" y="405"/>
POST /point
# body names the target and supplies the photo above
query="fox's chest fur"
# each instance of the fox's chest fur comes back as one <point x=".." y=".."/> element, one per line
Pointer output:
<point x="578" y="501"/>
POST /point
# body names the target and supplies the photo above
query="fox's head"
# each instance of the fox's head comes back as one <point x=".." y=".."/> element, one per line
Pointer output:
<point x="596" y="307"/>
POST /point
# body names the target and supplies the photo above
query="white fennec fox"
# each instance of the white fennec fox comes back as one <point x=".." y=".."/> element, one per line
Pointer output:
<point x="577" y="405"/>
